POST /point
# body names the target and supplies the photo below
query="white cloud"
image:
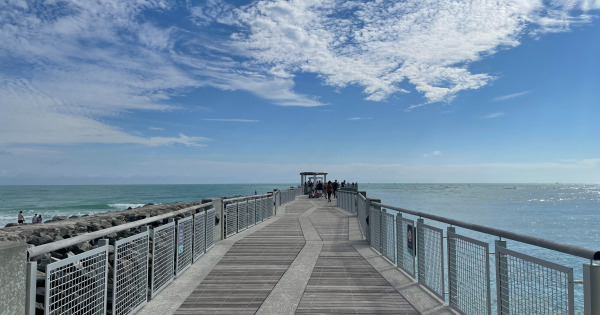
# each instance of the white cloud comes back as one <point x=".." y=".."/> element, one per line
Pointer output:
<point x="494" y="115"/>
<point x="434" y="153"/>
<point x="233" y="120"/>
<point x="360" y="118"/>
<point x="382" y="45"/>
<point x="509" y="96"/>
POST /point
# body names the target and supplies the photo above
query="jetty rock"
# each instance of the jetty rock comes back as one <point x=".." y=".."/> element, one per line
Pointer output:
<point x="63" y="227"/>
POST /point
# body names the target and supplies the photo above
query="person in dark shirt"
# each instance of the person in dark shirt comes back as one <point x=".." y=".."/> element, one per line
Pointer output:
<point x="335" y="188"/>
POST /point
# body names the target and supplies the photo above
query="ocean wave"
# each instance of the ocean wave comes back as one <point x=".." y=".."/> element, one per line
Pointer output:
<point x="123" y="206"/>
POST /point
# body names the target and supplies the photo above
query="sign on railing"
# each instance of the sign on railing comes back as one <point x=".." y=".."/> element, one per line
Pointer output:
<point x="406" y="244"/>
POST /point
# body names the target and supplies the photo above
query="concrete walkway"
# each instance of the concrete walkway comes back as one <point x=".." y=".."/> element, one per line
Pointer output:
<point x="309" y="259"/>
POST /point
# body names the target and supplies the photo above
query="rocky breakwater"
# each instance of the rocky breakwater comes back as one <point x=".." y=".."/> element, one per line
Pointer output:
<point x="61" y="228"/>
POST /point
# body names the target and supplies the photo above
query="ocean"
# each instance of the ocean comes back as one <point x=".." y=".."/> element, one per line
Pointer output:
<point x="57" y="200"/>
<point x="568" y="213"/>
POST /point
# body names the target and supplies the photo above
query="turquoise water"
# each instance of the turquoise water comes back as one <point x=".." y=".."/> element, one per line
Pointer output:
<point x="50" y="201"/>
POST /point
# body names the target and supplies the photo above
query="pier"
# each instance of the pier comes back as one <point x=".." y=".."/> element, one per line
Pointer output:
<point x="311" y="258"/>
<point x="286" y="253"/>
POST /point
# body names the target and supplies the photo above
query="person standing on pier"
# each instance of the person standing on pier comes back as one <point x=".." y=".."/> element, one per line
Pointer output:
<point x="335" y="188"/>
<point x="320" y="189"/>
<point x="329" y="191"/>
<point x="20" y="218"/>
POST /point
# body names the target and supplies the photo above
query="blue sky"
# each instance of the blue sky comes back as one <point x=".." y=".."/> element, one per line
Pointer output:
<point x="215" y="91"/>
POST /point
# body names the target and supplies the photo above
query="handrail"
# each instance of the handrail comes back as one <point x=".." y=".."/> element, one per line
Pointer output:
<point x="230" y="200"/>
<point x="50" y="247"/>
<point x="559" y="247"/>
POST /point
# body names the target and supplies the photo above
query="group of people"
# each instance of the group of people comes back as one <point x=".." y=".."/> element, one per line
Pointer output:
<point x="36" y="218"/>
<point x="318" y="190"/>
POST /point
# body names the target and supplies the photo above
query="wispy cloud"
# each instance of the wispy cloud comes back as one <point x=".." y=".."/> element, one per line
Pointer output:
<point x="81" y="62"/>
<point x="494" y="115"/>
<point x="382" y="44"/>
<point x="156" y="128"/>
<point x="434" y="153"/>
<point x="509" y="96"/>
<point x="233" y="120"/>
<point x="360" y="118"/>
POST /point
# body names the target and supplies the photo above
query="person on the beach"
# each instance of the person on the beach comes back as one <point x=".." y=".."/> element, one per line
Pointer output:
<point x="329" y="191"/>
<point x="34" y="220"/>
<point x="39" y="219"/>
<point x="21" y="218"/>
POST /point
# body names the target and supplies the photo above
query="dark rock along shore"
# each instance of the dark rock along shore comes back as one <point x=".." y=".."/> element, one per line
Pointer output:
<point x="50" y="231"/>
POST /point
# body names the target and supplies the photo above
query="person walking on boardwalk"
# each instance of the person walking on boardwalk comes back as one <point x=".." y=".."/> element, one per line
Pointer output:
<point x="335" y="188"/>
<point x="329" y="191"/>
<point x="20" y="218"/>
<point x="319" y="189"/>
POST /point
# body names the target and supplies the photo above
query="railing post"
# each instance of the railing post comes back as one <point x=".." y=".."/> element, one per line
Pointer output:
<point x="276" y="200"/>
<point x="219" y="232"/>
<point x="31" y="287"/>
<point x="502" y="280"/>
<point x="452" y="263"/>
<point x="366" y="216"/>
<point x="13" y="277"/>
<point x="591" y="289"/>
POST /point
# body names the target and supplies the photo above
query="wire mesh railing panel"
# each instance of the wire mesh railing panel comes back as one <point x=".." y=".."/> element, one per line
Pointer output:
<point x="199" y="234"/>
<point x="185" y="234"/>
<point x="231" y="218"/>
<point x="375" y="224"/>
<point x="251" y="212"/>
<point x="163" y="257"/>
<point x="362" y="214"/>
<point x="430" y="254"/>
<point x="77" y="285"/>
<point x="468" y="275"/>
<point x="529" y="285"/>
<point x="388" y="236"/>
<point x="269" y="207"/>
<point x="210" y="228"/>
<point x="242" y="215"/>
<point x="259" y="209"/>
<point x="130" y="279"/>
<point x="406" y="245"/>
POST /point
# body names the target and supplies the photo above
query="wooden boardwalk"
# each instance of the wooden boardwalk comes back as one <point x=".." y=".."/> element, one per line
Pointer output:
<point x="303" y="263"/>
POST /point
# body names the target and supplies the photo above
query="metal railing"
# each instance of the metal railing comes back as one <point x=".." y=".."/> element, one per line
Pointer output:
<point x="244" y="212"/>
<point x="122" y="267"/>
<point x="91" y="283"/>
<point x="523" y="284"/>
